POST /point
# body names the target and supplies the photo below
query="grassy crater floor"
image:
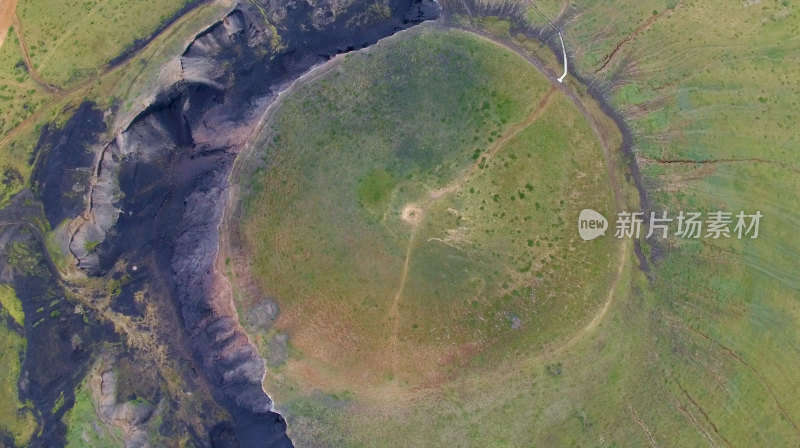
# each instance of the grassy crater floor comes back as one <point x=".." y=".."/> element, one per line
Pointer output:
<point x="414" y="217"/>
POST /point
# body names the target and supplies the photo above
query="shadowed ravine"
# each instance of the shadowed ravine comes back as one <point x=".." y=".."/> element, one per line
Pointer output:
<point x="157" y="189"/>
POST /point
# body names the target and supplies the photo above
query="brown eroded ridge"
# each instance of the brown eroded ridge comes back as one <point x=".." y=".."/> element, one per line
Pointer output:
<point x="413" y="214"/>
<point x="639" y="30"/>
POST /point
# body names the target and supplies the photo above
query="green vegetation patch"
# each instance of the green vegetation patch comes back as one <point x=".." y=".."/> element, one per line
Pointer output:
<point x="84" y="427"/>
<point x="414" y="218"/>
<point x="712" y="337"/>
<point x="23" y="257"/>
<point x="16" y="418"/>
<point x="375" y="189"/>
<point x="70" y="41"/>
<point x="20" y="97"/>
<point x="11" y="304"/>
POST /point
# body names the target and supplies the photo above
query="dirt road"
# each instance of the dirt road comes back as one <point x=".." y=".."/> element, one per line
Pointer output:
<point x="7" y="9"/>
<point x="27" y="58"/>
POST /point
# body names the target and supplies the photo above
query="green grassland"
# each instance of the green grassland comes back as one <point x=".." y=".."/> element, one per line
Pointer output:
<point x="19" y="94"/>
<point x="11" y="305"/>
<point x="704" y="353"/>
<point x="698" y="90"/>
<point x="711" y="341"/>
<point x="16" y="419"/>
<point x="25" y="106"/>
<point x="509" y="228"/>
<point x="20" y="99"/>
<point x="70" y="41"/>
<point x="495" y="271"/>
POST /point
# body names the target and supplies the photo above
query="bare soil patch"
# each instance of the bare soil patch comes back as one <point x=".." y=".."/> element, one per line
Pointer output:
<point x="7" y="8"/>
<point x="411" y="214"/>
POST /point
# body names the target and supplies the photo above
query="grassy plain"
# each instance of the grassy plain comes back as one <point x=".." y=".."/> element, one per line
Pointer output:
<point x="20" y="98"/>
<point x="71" y="41"/>
<point x="711" y="95"/>
<point x="381" y="304"/>
<point x="19" y="94"/>
<point x="16" y="419"/>
<point x="724" y="93"/>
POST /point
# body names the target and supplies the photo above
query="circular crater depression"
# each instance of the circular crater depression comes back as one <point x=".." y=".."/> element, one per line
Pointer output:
<point x="414" y="216"/>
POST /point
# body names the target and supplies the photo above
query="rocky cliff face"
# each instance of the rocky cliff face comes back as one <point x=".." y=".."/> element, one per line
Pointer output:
<point x="129" y="417"/>
<point x="319" y="13"/>
<point x="159" y="187"/>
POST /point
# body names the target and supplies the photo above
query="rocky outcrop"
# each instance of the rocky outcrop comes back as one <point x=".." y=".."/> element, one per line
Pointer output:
<point x="318" y="13"/>
<point x="168" y="125"/>
<point x="62" y="337"/>
<point x="200" y="62"/>
<point x="160" y="186"/>
<point x="66" y="154"/>
<point x="131" y="418"/>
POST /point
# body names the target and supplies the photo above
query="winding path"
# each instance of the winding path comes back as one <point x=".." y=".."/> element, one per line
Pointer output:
<point x="27" y="58"/>
<point x="394" y="312"/>
<point x="496" y="147"/>
<point x="608" y="152"/>
<point x="513" y="131"/>
<point x="57" y="92"/>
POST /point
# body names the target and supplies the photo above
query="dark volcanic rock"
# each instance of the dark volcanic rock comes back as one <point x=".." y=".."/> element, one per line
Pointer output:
<point x="223" y="435"/>
<point x="422" y="10"/>
<point x="62" y="337"/>
<point x="162" y="183"/>
<point x="316" y="13"/>
<point x="262" y="315"/>
<point x="203" y="60"/>
<point x="67" y="155"/>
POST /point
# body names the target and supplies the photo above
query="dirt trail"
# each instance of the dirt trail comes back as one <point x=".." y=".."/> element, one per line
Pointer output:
<point x="27" y="58"/>
<point x="418" y="214"/>
<point x="7" y="9"/>
<point x="623" y="259"/>
<point x="55" y="90"/>
<point x="394" y="312"/>
<point x="497" y="146"/>
<point x="562" y="11"/>
<point x="624" y="247"/>
<point x="639" y="422"/>
<point x="608" y="152"/>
